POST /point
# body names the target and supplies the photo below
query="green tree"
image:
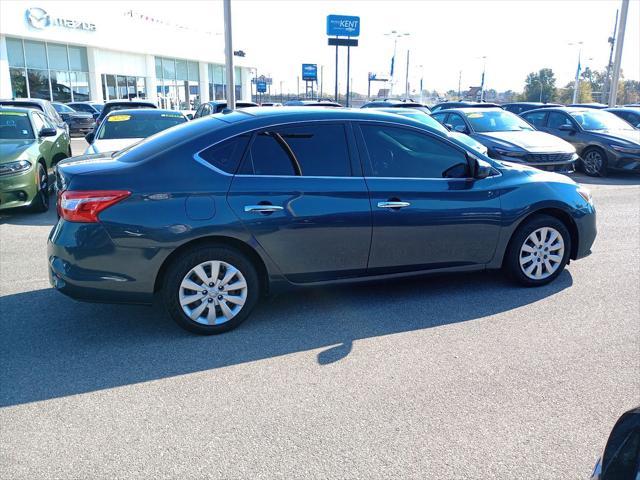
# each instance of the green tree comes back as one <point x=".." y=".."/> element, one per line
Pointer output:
<point x="565" y="95"/>
<point x="540" y="86"/>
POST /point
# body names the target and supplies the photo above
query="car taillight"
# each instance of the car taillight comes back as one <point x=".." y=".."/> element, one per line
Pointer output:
<point x="84" y="206"/>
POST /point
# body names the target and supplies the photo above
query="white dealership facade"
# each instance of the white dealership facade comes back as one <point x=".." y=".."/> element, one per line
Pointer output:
<point x="72" y="51"/>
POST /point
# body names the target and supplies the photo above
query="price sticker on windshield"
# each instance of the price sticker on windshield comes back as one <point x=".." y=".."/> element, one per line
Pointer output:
<point x="119" y="118"/>
<point x="15" y="114"/>
<point x="171" y="115"/>
<point x="474" y="115"/>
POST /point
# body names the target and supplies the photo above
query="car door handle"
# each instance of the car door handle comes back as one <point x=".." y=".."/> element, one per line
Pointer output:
<point x="393" y="204"/>
<point x="262" y="208"/>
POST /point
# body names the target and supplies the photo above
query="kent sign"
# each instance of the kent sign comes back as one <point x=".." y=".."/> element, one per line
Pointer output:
<point x="343" y="26"/>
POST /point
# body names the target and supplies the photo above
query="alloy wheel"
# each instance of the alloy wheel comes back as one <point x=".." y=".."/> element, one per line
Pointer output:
<point x="43" y="186"/>
<point x="213" y="292"/>
<point x="592" y="162"/>
<point x="541" y="253"/>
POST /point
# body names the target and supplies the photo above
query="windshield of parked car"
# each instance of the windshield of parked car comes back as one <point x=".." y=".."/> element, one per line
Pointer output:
<point x="593" y="120"/>
<point x="137" y="126"/>
<point x="62" y="108"/>
<point x="15" y="126"/>
<point x="428" y="120"/>
<point x="496" y="121"/>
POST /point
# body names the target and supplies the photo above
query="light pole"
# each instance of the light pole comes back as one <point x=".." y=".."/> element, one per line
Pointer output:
<point x="421" y="67"/>
<point x="228" y="50"/>
<point x="613" y="90"/>
<point x="484" y="68"/>
<point x="395" y="35"/>
<point x="576" y="88"/>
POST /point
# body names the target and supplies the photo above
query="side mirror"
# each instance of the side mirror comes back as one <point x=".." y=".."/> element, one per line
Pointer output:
<point x="89" y="137"/>
<point x="48" y="132"/>
<point x="189" y="116"/>
<point x="481" y="169"/>
<point x="566" y="128"/>
<point x="461" y="129"/>
<point x="448" y="126"/>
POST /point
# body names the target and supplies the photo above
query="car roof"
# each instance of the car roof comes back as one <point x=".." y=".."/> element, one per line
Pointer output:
<point x="392" y="102"/>
<point x="302" y="114"/>
<point x="311" y="103"/>
<point x="623" y="109"/>
<point x="400" y="111"/>
<point x="472" y="109"/>
<point x="12" y="108"/>
<point x="561" y="108"/>
<point x="130" y="102"/>
<point x="139" y="112"/>
<point x="38" y="101"/>
<point x="469" y="104"/>
<point x="224" y="102"/>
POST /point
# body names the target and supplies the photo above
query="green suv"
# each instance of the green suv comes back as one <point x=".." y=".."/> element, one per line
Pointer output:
<point x="30" y="145"/>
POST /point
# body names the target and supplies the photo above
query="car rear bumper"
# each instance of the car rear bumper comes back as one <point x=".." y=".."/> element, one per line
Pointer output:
<point x="85" y="264"/>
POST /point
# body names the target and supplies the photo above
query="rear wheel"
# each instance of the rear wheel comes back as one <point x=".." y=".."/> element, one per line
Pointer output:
<point x="594" y="162"/>
<point x="538" y="251"/>
<point x="210" y="290"/>
<point x="41" y="201"/>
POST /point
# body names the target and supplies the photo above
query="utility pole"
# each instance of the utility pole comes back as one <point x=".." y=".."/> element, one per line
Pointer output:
<point x="607" y="78"/>
<point x="459" y="84"/>
<point x="484" y="68"/>
<point x="321" y="80"/>
<point x="228" y="50"/>
<point x="613" y="92"/>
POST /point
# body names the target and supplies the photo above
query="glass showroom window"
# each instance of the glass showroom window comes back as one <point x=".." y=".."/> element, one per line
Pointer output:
<point x="178" y="87"/>
<point x="47" y="70"/>
<point x="122" y="87"/>
<point x="217" y="82"/>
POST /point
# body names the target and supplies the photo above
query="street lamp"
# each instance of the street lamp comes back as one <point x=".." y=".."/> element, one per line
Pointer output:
<point x="576" y="88"/>
<point x="421" y="67"/>
<point x="395" y="35"/>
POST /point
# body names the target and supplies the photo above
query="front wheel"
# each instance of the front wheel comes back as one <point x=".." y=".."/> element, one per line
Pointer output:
<point x="538" y="251"/>
<point x="594" y="162"/>
<point x="210" y="290"/>
<point x="40" y="203"/>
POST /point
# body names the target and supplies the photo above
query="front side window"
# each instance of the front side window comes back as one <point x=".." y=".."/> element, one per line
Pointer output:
<point x="38" y="121"/>
<point x="440" y="117"/>
<point x="456" y="122"/>
<point x="597" y="120"/>
<point x="496" y="121"/>
<point x="557" y="120"/>
<point x="314" y="150"/>
<point x="400" y="152"/>
<point x="536" y="118"/>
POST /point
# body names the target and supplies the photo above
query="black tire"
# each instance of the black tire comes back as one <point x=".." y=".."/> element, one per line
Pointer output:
<point x="40" y="203"/>
<point x="593" y="162"/>
<point x="181" y="266"/>
<point x="511" y="264"/>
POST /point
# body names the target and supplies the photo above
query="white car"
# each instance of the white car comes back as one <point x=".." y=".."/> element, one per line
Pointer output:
<point x="122" y="128"/>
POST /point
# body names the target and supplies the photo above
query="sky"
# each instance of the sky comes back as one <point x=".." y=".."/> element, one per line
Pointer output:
<point x="445" y="38"/>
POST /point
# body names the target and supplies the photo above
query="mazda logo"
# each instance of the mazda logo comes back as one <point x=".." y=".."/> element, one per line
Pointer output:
<point x="38" y="18"/>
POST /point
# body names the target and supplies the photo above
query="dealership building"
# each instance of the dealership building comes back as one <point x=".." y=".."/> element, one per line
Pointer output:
<point x="72" y="51"/>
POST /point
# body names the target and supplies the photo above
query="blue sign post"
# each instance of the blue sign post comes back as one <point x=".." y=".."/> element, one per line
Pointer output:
<point x="343" y="26"/>
<point x="310" y="72"/>
<point x="261" y="87"/>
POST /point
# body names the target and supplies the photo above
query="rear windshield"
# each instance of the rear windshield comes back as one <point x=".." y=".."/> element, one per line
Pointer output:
<point x="61" y="108"/>
<point x="137" y="126"/>
<point x="15" y="126"/>
<point x="22" y="105"/>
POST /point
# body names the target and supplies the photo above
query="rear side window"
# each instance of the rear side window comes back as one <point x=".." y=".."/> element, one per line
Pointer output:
<point x="536" y="118"/>
<point x="557" y="120"/>
<point x="315" y="150"/>
<point x="226" y="155"/>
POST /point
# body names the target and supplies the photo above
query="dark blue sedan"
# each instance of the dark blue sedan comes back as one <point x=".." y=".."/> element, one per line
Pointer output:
<point x="212" y="214"/>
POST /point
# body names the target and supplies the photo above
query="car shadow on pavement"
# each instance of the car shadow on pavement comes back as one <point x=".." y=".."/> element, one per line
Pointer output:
<point x="52" y="346"/>
<point x="613" y="178"/>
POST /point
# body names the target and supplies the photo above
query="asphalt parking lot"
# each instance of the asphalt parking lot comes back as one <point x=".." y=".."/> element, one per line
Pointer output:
<point x="456" y="377"/>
